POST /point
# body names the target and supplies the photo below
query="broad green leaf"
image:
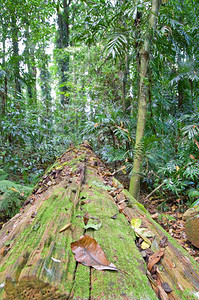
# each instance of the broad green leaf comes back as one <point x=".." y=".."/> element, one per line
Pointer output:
<point x="195" y="203"/>
<point x="93" y="225"/>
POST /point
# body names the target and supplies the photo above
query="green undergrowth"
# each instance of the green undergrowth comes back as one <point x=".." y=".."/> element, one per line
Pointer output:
<point x="12" y="196"/>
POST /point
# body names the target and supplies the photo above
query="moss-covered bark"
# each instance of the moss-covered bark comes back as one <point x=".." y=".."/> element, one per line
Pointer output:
<point x="134" y="188"/>
<point x="37" y="261"/>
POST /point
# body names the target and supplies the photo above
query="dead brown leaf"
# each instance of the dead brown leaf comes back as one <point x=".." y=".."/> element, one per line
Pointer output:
<point x="114" y="217"/>
<point x="153" y="259"/>
<point x="86" y="218"/>
<point x="4" y="250"/>
<point x="163" y="242"/>
<point x="155" y="216"/>
<point x="162" y="294"/>
<point x="166" y="287"/>
<point x="83" y="202"/>
<point x="88" y="252"/>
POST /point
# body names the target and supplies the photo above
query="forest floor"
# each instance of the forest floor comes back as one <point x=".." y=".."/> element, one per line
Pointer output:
<point x="171" y="219"/>
<point x="168" y="212"/>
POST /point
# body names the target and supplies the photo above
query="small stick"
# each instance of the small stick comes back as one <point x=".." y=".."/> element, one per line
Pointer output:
<point x="155" y="190"/>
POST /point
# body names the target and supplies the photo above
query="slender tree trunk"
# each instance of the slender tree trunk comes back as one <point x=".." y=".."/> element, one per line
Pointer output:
<point x="142" y="103"/>
<point x="16" y="59"/>
<point x="5" y="94"/>
<point x="45" y="84"/>
<point x="5" y="88"/>
<point x="180" y="96"/>
<point x="150" y="104"/>
<point x="63" y="43"/>
<point x="30" y="60"/>
<point x="125" y="104"/>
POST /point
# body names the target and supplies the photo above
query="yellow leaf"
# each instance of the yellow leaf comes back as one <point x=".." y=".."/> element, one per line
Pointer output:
<point x="123" y="169"/>
<point x="65" y="227"/>
<point x="136" y="223"/>
<point x="96" y="124"/>
<point x="145" y="245"/>
<point x="14" y="190"/>
<point x="143" y="233"/>
<point x="177" y="168"/>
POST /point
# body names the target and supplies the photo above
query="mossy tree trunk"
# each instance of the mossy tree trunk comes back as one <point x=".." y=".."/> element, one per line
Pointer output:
<point x="134" y="188"/>
<point x="36" y="260"/>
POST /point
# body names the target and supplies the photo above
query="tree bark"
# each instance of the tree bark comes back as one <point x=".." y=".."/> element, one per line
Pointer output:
<point x="36" y="260"/>
<point x="4" y="92"/>
<point x="125" y="103"/>
<point x="45" y="78"/>
<point x="62" y="44"/>
<point x="134" y="188"/>
<point x="31" y="65"/>
<point x="16" y="58"/>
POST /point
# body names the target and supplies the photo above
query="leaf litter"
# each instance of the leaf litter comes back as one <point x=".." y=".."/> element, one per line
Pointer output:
<point x="88" y="252"/>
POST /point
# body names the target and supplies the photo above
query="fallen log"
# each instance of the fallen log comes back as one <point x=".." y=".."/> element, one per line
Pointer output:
<point x="78" y="197"/>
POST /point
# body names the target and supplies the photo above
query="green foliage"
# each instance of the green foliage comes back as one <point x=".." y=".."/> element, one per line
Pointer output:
<point x="12" y="196"/>
<point x="179" y="168"/>
<point x="3" y="175"/>
<point x="166" y="218"/>
<point x="30" y="143"/>
<point x="195" y="203"/>
<point x="193" y="194"/>
<point x="112" y="135"/>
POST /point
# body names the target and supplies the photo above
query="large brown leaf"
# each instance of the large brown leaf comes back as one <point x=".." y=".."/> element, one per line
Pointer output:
<point x="88" y="252"/>
<point x="153" y="259"/>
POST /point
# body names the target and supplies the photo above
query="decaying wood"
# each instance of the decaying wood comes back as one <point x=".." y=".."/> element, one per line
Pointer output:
<point x="191" y="217"/>
<point x="36" y="259"/>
